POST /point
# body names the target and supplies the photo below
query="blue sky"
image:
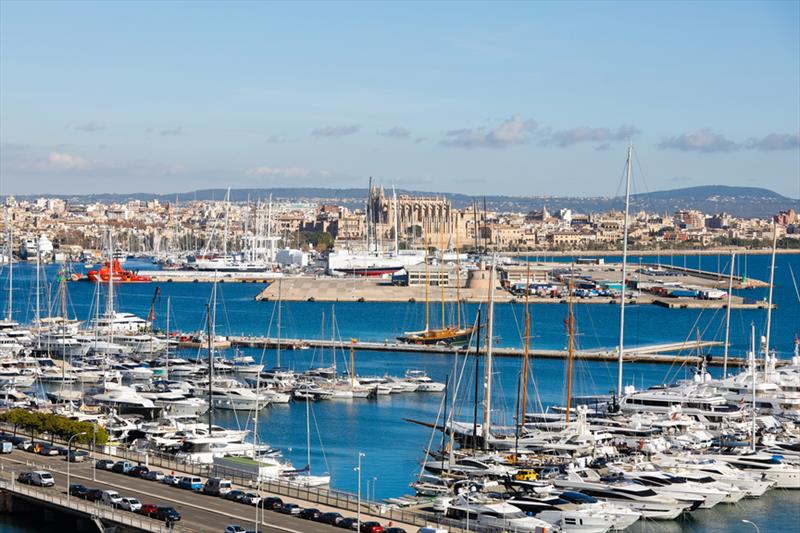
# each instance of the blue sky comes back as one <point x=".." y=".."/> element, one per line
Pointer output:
<point x="483" y="98"/>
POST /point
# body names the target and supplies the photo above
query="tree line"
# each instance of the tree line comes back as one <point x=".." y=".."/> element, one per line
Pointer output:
<point x="35" y="422"/>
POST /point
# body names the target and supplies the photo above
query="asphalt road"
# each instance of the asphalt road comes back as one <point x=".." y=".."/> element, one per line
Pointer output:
<point x="199" y="512"/>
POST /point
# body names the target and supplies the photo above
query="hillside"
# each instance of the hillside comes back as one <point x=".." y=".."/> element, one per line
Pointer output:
<point x="738" y="201"/>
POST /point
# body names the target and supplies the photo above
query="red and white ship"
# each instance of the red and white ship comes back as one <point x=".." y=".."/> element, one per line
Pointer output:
<point x="120" y="275"/>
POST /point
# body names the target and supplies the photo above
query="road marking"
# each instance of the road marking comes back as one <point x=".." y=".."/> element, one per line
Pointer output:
<point x="129" y="489"/>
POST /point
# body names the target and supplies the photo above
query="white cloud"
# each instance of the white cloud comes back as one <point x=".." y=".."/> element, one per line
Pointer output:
<point x="704" y="140"/>
<point x="90" y="127"/>
<point x="776" y="141"/>
<point x="586" y="134"/>
<point x="397" y="131"/>
<point x="289" y="172"/>
<point x="64" y="161"/>
<point x="514" y="130"/>
<point x="335" y="131"/>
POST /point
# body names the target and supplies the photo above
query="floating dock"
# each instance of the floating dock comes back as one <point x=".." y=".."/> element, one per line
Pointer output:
<point x="655" y="353"/>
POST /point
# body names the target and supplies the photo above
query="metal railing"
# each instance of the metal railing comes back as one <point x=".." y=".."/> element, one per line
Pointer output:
<point x="91" y="510"/>
<point x="340" y="500"/>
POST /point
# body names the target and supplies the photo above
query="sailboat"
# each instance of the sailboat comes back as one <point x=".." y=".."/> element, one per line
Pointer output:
<point x="447" y="334"/>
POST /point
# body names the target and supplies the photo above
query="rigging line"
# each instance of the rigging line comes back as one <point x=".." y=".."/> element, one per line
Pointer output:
<point x="433" y="432"/>
<point x="794" y="282"/>
<point x="319" y="436"/>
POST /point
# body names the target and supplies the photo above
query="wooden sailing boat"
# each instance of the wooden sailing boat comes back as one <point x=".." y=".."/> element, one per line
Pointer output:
<point x="446" y="334"/>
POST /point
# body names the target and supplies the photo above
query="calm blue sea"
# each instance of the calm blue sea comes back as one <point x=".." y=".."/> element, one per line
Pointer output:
<point x="393" y="446"/>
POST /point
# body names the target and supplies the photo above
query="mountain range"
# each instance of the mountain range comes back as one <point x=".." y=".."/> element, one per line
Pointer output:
<point x="738" y="201"/>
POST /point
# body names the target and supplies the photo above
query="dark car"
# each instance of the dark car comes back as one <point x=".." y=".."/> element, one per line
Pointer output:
<point x="168" y="513"/>
<point x="371" y="527"/>
<point x="271" y="502"/>
<point x="235" y="495"/>
<point x="104" y="464"/>
<point x="94" y="495"/>
<point x="310" y="514"/>
<point x="24" y="477"/>
<point x="348" y="523"/>
<point x="394" y="530"/>
<point x="148" y="509"/>
<point x="78" y="490"/>
<point x="138" y="471"/>
<point x="330" y="518"/>
<point x="289" y="508"/>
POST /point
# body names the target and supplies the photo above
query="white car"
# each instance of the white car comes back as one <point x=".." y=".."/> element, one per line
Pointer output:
<point x="111" y="497"/>
<point x="130" y="504"/>
<point x="235" y="529"/>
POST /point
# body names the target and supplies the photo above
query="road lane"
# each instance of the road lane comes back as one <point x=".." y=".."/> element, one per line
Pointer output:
<point x="199" y="512"/>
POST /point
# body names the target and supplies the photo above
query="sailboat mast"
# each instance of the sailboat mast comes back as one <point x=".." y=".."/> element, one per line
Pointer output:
<point x="728" y="319"/>
<point x="278" y="344"/>
<point x="458" y="283"/>
<point x="487" y="366"/>
<point x="10" y="249"/>
<point x="396" y="224"/>
<point x="427" y="285"/>
<point x="571" y="333"/>
<point x="308" y="439"/>
<point x="769" y="299"/>
<point x="753" y="382"/>
<point x="441" y="280"/>
<point x="110" y="303"/>
<point x="167" y="349"/>
<point x="628" y="166"/>
<point x="333" y="338"/>
<point x="38" y="305"/>
<point x="525" y="363"/>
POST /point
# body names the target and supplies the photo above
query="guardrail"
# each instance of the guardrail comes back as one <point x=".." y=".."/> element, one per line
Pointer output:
<point x="92" y="510"/>
<point x="342" y="500"/>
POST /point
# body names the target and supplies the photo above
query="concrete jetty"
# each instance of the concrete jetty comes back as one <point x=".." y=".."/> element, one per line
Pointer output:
<point x="656" y="353"/>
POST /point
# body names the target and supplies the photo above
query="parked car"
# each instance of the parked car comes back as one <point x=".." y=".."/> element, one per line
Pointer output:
<point x="130" y="504"/>
<point x="233" y="528"/>
<point x="111" y="497"/>
<point x="94" y="495"/>
<point x="24" y="477"/>
<point x="122" y="467"/>
<point x="25" y="445"/>
<point x="148" y="509"/>
<point x="154" y="475"/>
<point x="251" y="498"/>
<point x="78" y="490"/>
<point x="168" y="513"/>
<point x="289" y="508"/>
<point x="371" y="527"/>
<point x="43" y="478"/>
<point x="104" y="464"/>
<point x="235" y="495"/>
<point x="171" y="480"/>
<point x="190" y="483"/>
<point x="138" y="471"/>
<point x="330" y="518"/>
<point x="310" y="514"/>
<point x="77" y="456"/>
<point x="46" y="449"/>
<point x="394" y="530"/>
<point x="348" y="523"/>
<point x="271" y="502"/>
<point x="216" y="486"/>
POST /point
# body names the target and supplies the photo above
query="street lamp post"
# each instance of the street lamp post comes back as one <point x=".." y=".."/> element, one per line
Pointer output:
<point x="94" y="453"/>
<point x="374" y="484"/>
<point x="69" y="443"/>
<point x="358" y="511"/>
<point x="752" y="524"/>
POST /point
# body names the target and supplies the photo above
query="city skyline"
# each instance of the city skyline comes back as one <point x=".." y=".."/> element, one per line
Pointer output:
<point x="517" y="99"/>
